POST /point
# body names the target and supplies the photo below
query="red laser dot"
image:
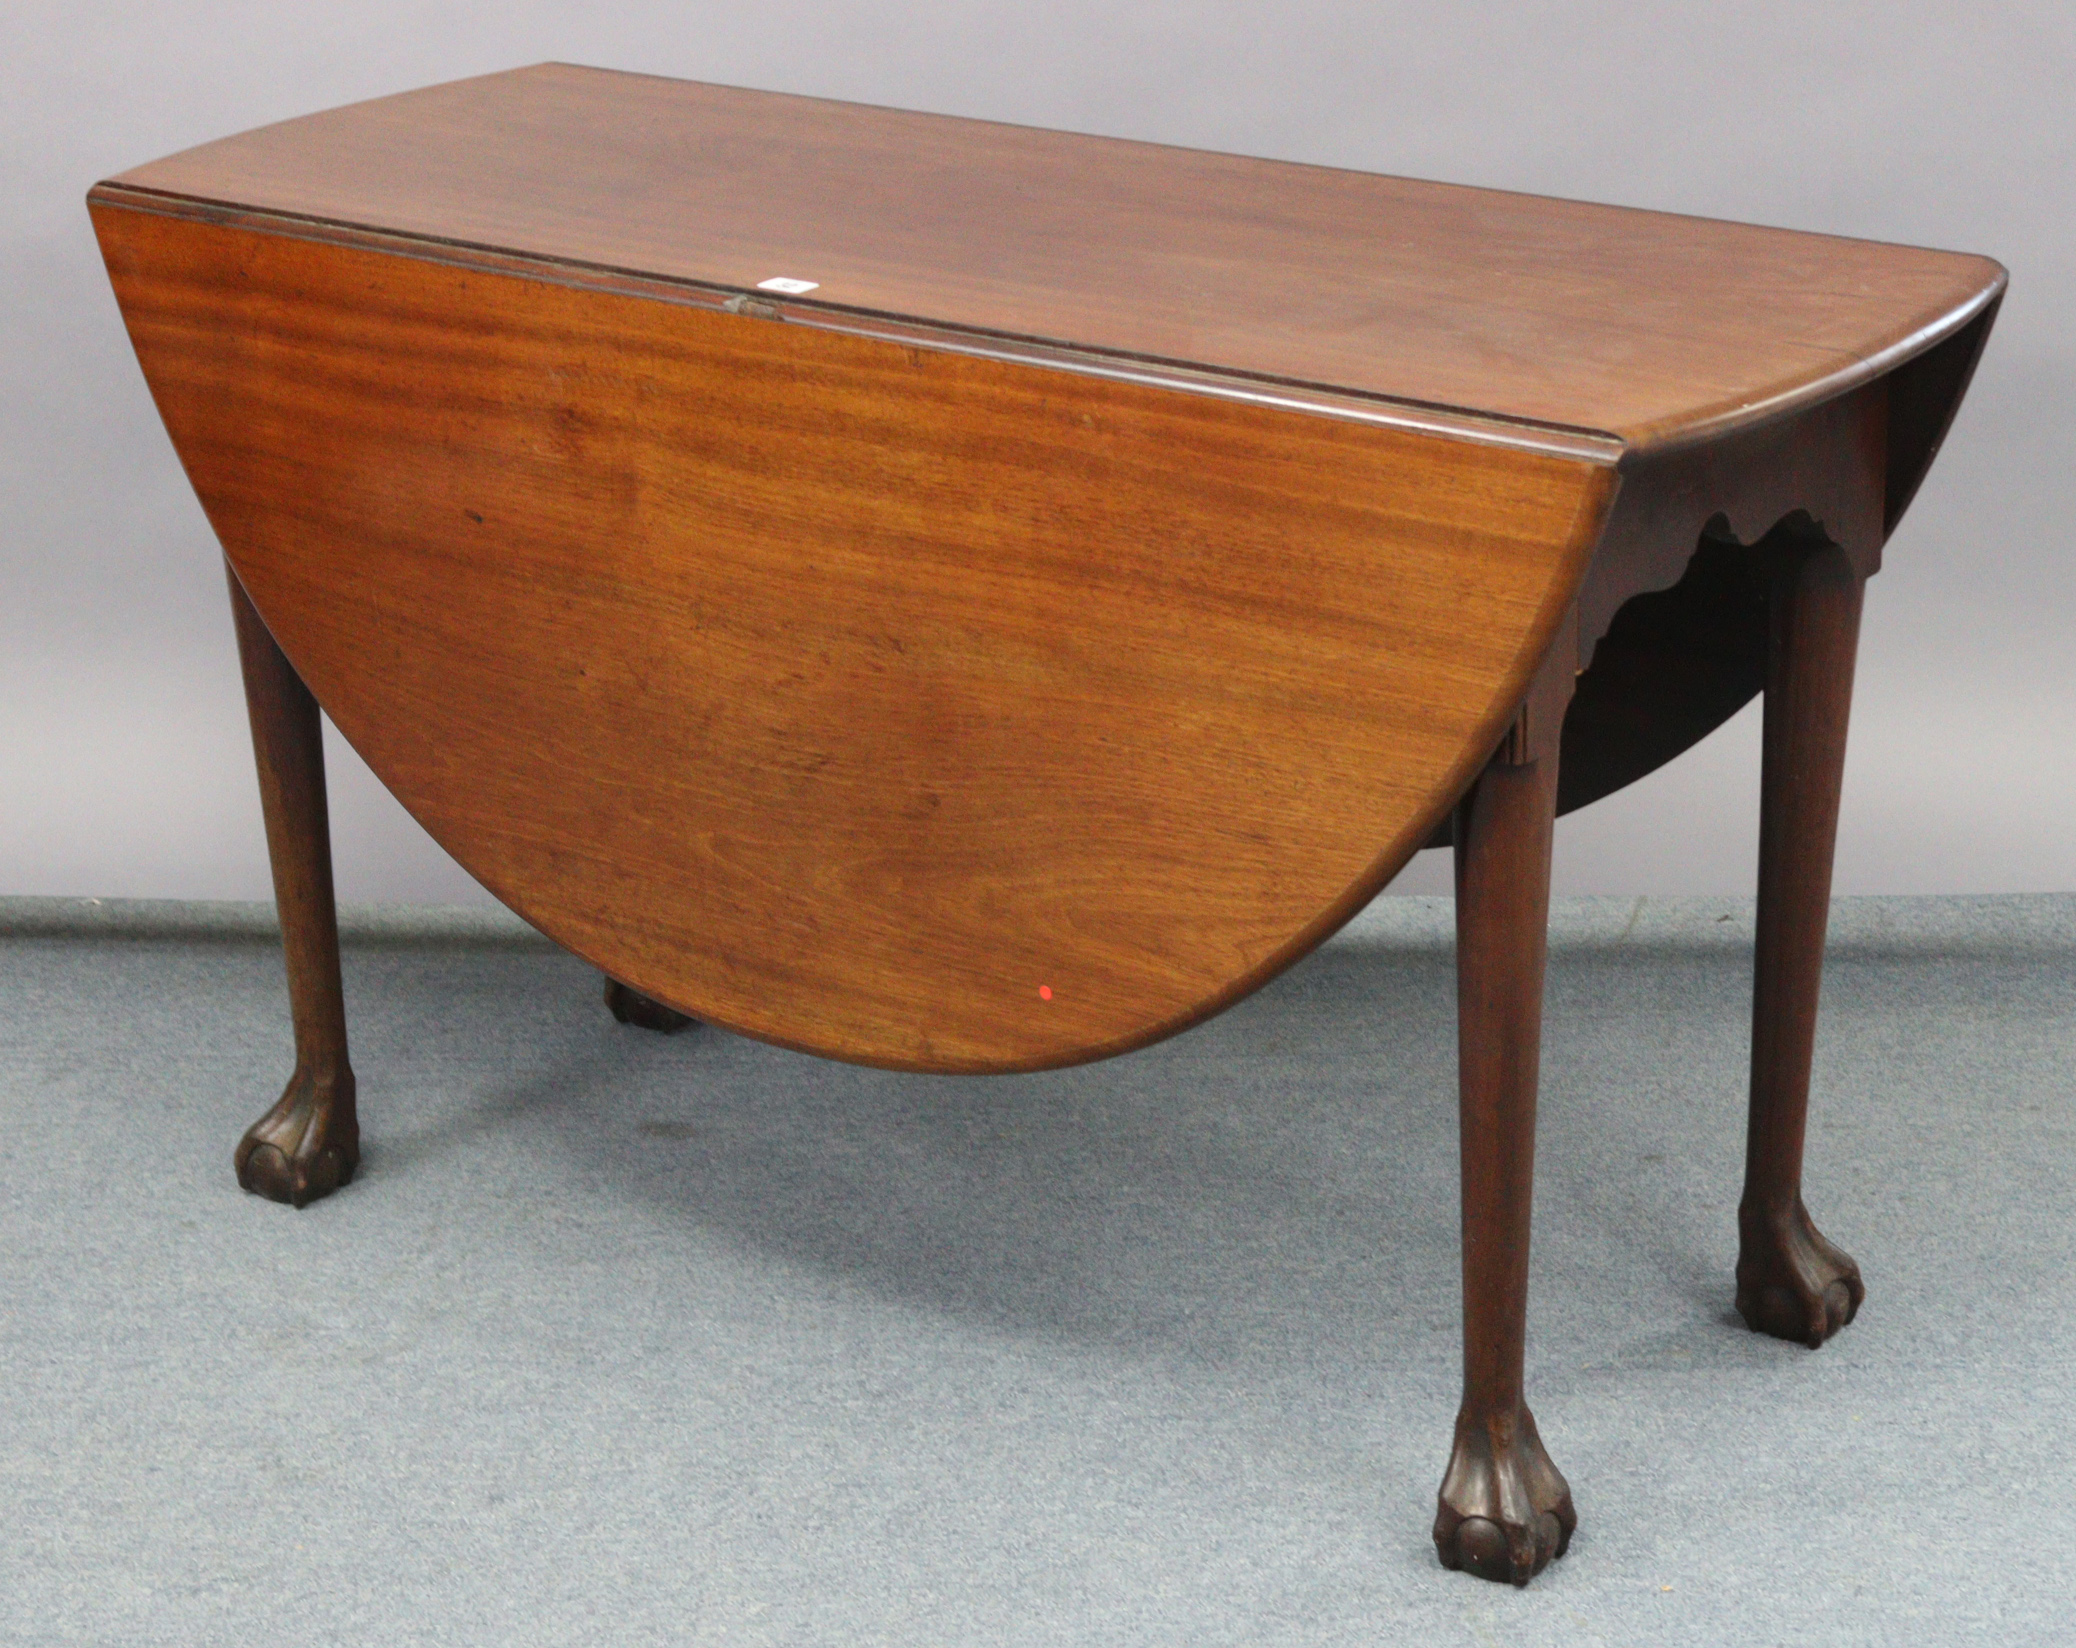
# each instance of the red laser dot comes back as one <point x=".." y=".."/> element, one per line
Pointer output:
<point x="1045" y="992"/>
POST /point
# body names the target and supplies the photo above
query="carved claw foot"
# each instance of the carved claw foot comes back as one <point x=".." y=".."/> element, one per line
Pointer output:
<point x="1506" y="1511"/>
<point x="308" y="1145"/>
<point x="1791" y="1282"/>
<point x="632" y="1007"/>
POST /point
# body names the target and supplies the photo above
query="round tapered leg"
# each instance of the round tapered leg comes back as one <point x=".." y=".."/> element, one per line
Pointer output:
<point x="1505" y="1510"/>
<point x="1791" y="1282"/>
<point x="308" y="1145"/>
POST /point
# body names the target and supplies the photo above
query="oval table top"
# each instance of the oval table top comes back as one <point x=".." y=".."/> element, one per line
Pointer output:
<point x="1113" y="570"/>
<point x="1645" y="326"/>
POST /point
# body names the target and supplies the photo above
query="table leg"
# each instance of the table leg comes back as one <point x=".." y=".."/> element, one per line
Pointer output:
<point x="630" y="1006"/>
<point x="1505" y="1509"/>
<point x="309" y="1143"/>
<point x="1791" y="1282"/>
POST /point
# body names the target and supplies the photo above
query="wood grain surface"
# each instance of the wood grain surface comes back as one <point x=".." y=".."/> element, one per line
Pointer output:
<point x="1057" y="622"/>
<point x="1650" y="327"/>
<point x="897" y="704"/>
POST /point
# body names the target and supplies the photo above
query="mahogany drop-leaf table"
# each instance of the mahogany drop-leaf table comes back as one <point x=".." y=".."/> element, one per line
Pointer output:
<point x="965" y="598"/>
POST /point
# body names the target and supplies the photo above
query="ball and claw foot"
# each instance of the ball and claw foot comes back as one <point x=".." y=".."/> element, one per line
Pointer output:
<point x="632" y="1007"/>
<point x="1506" y="1511"/>
<point x="1791" y="1282"/>
<point x="308" y="1145"/>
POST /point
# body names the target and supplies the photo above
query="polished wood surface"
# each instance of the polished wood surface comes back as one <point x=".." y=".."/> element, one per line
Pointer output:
<point x="1791" y="1281"/>
<point x="1505" y="1511"/>
<point x="1671" y="614"/>
<point x="309" y="1143"/>
<point x="841" y="692"/>
<point x="1649" y="326"/>
<point x="1058" y="620"/>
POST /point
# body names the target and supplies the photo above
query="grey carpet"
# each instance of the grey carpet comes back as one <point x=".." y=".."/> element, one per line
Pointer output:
<point x="623" y="1339"/>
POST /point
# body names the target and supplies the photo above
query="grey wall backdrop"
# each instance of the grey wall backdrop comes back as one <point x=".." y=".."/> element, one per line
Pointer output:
<point x="124" y="768"/>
